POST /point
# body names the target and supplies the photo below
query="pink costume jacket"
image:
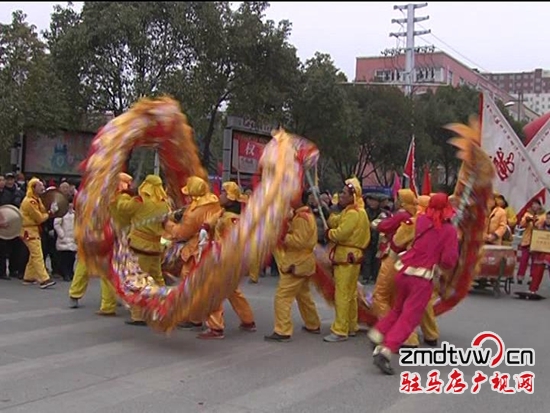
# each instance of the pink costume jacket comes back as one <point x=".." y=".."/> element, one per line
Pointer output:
<point x="431" y="247"/>
<point x="389" y="227"/>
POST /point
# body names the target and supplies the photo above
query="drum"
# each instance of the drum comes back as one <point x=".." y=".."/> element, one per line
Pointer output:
<point x="498" y="261"/>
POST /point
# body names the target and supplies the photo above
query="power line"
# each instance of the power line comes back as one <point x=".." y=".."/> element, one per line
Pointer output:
<point x="410" y="34"/>
<point x="456" y="51"/>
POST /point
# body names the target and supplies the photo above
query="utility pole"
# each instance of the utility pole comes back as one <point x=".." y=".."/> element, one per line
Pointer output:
<point x="410" y="20"/>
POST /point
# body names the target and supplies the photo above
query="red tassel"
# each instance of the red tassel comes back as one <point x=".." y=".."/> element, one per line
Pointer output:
<point x="256" y="179"/>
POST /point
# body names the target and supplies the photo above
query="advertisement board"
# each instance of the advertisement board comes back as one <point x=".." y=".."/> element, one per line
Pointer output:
<point x="57" y="155"/>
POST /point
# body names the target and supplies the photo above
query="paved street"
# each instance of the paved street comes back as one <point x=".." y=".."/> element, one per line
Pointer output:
<point x="54" y="359"/>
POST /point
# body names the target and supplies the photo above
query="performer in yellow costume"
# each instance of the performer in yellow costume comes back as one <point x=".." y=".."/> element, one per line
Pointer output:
<point x="34" y="214"/>
<point x="204" y="206"/>
<point x="403" y="238"/>
<point x="145" y="238"/>
<point x="384" y="290"/>
<point x="296" y="263"/>
<point x="81" y="278"/>
<point x="231" y="200"/>
<point x="349" y="234"/>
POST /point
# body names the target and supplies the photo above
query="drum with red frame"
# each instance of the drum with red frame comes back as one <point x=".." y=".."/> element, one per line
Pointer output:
<point x="497" y="268"/>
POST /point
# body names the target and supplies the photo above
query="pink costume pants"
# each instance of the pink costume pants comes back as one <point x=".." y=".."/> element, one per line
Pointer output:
<point x="413" y="295"/>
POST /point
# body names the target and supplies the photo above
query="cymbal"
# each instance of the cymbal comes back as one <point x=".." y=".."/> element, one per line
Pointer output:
<point x="11" y="216"/>
<point x="55" y="195"/>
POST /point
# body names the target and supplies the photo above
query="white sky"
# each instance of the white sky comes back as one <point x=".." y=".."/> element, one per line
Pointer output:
<point x="496" y="37"/>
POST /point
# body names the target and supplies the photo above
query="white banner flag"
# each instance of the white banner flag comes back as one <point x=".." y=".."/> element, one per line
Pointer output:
<point x="539" y="152"/>
<point x="517" y="179"/>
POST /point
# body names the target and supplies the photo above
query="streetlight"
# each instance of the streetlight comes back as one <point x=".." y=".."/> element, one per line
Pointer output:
<point x="513" y="103"/>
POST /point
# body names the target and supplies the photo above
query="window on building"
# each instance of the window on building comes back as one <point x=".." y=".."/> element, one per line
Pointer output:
<point x="450" y="78"/>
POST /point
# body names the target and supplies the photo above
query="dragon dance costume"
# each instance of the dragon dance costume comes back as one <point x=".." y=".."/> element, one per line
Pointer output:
<point x="384" y="290"/>
<point x="34" y="214"/>
<point x="81" y="278"/>
<point x="231" y="200"/>
<point x="349" y="235"/>
<point x="404" y="238"/>
<point x="296" y="262"/>
<point x="145" y="239"/>
<point x="535" y="214"/>
<point x="435" y="245"/>
<point x="540" y="260"/>
<point x="204" y="207"/>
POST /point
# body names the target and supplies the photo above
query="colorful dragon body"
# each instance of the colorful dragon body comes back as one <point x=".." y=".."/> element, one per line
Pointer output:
<point x="473" y="190"/>
<point x="160" y="123"/>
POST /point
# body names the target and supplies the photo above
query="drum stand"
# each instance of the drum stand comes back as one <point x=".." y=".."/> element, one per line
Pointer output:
<point x="482" y="281"/>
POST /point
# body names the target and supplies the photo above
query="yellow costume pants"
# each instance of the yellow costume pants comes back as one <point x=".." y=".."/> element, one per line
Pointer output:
<point x="428" y="325"/>
<point x="384" y="294"/>
<point x="291" y="287"/>
<point x="254" y="274"/>
<point x="35" y="270"/>
<point x="345" y="299"/>
<point x="151" y="265"/>
<point x="79" y="285"/>
<point x="241" y="307"/>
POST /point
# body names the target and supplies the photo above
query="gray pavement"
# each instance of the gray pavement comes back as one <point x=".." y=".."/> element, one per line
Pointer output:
<point x="55" y="360"/>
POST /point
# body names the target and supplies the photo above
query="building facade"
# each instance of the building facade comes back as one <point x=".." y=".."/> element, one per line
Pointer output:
<point x="433" y="70"/>
<point x="532" y="88"/>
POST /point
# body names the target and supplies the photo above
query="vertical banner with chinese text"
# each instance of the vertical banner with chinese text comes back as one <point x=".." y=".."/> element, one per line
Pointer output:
<point x="538" y="150"/>
<point x="517" y="179"/>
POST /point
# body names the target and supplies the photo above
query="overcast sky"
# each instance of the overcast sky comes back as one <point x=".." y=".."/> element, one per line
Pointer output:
<point x="496" y="37"/>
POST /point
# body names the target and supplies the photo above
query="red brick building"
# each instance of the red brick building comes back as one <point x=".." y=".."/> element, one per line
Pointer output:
<point x="432" y="70"/>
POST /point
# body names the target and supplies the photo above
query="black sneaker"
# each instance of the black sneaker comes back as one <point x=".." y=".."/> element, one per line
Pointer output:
<point x="136" y="323"/>
<point x="277" y="337"/>
<point x="383" y="364"/>
<point x="431" y="343"/>
<point x="47" y="284"/>
<point x="190" y="326"/>
<point x="312" y="331"/>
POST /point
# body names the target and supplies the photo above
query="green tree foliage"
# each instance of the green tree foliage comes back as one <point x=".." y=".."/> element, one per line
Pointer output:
<point x="29" y="97"/>
<point x="322" y="111"/>
<point x="205" y="54"/>
<point x="435" y="110"/>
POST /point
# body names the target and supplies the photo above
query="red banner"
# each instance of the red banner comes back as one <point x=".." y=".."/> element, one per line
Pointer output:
<point x="249" y="150"/>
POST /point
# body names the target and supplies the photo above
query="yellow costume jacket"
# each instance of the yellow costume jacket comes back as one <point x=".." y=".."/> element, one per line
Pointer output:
<point x="194" y="218"/>
<point x="497" y="224"/>
<point x="33" y="214"/>
<point x="527" y="222"/>
<point x="146" y="238"/>
<point x="295" y="254"/>
<point x="350" y="233"/>
<point x="120" y="218"/>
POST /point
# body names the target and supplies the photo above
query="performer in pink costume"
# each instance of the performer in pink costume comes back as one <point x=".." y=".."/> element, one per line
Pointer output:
<point x="435" y="244"/>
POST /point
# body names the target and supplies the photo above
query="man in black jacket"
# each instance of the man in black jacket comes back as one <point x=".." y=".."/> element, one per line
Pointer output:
<point x="13" y="250"/>
<point x="371" y="263"/>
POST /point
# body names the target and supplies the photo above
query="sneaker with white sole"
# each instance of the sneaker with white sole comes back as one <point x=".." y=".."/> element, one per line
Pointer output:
<point x="47" y="284"/>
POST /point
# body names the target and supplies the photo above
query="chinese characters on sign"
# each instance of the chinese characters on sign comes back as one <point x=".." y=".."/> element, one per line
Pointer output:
<point x="248" y="150"/>
<point x="411" y="383"/>
<point x="504" y="164"/>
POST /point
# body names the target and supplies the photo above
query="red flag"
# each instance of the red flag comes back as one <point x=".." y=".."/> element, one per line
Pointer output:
<point x="217" y="187"/>
<point x="396" y="185"/>
<point x="427" y="182"/>
<point x="409" y="169"/>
